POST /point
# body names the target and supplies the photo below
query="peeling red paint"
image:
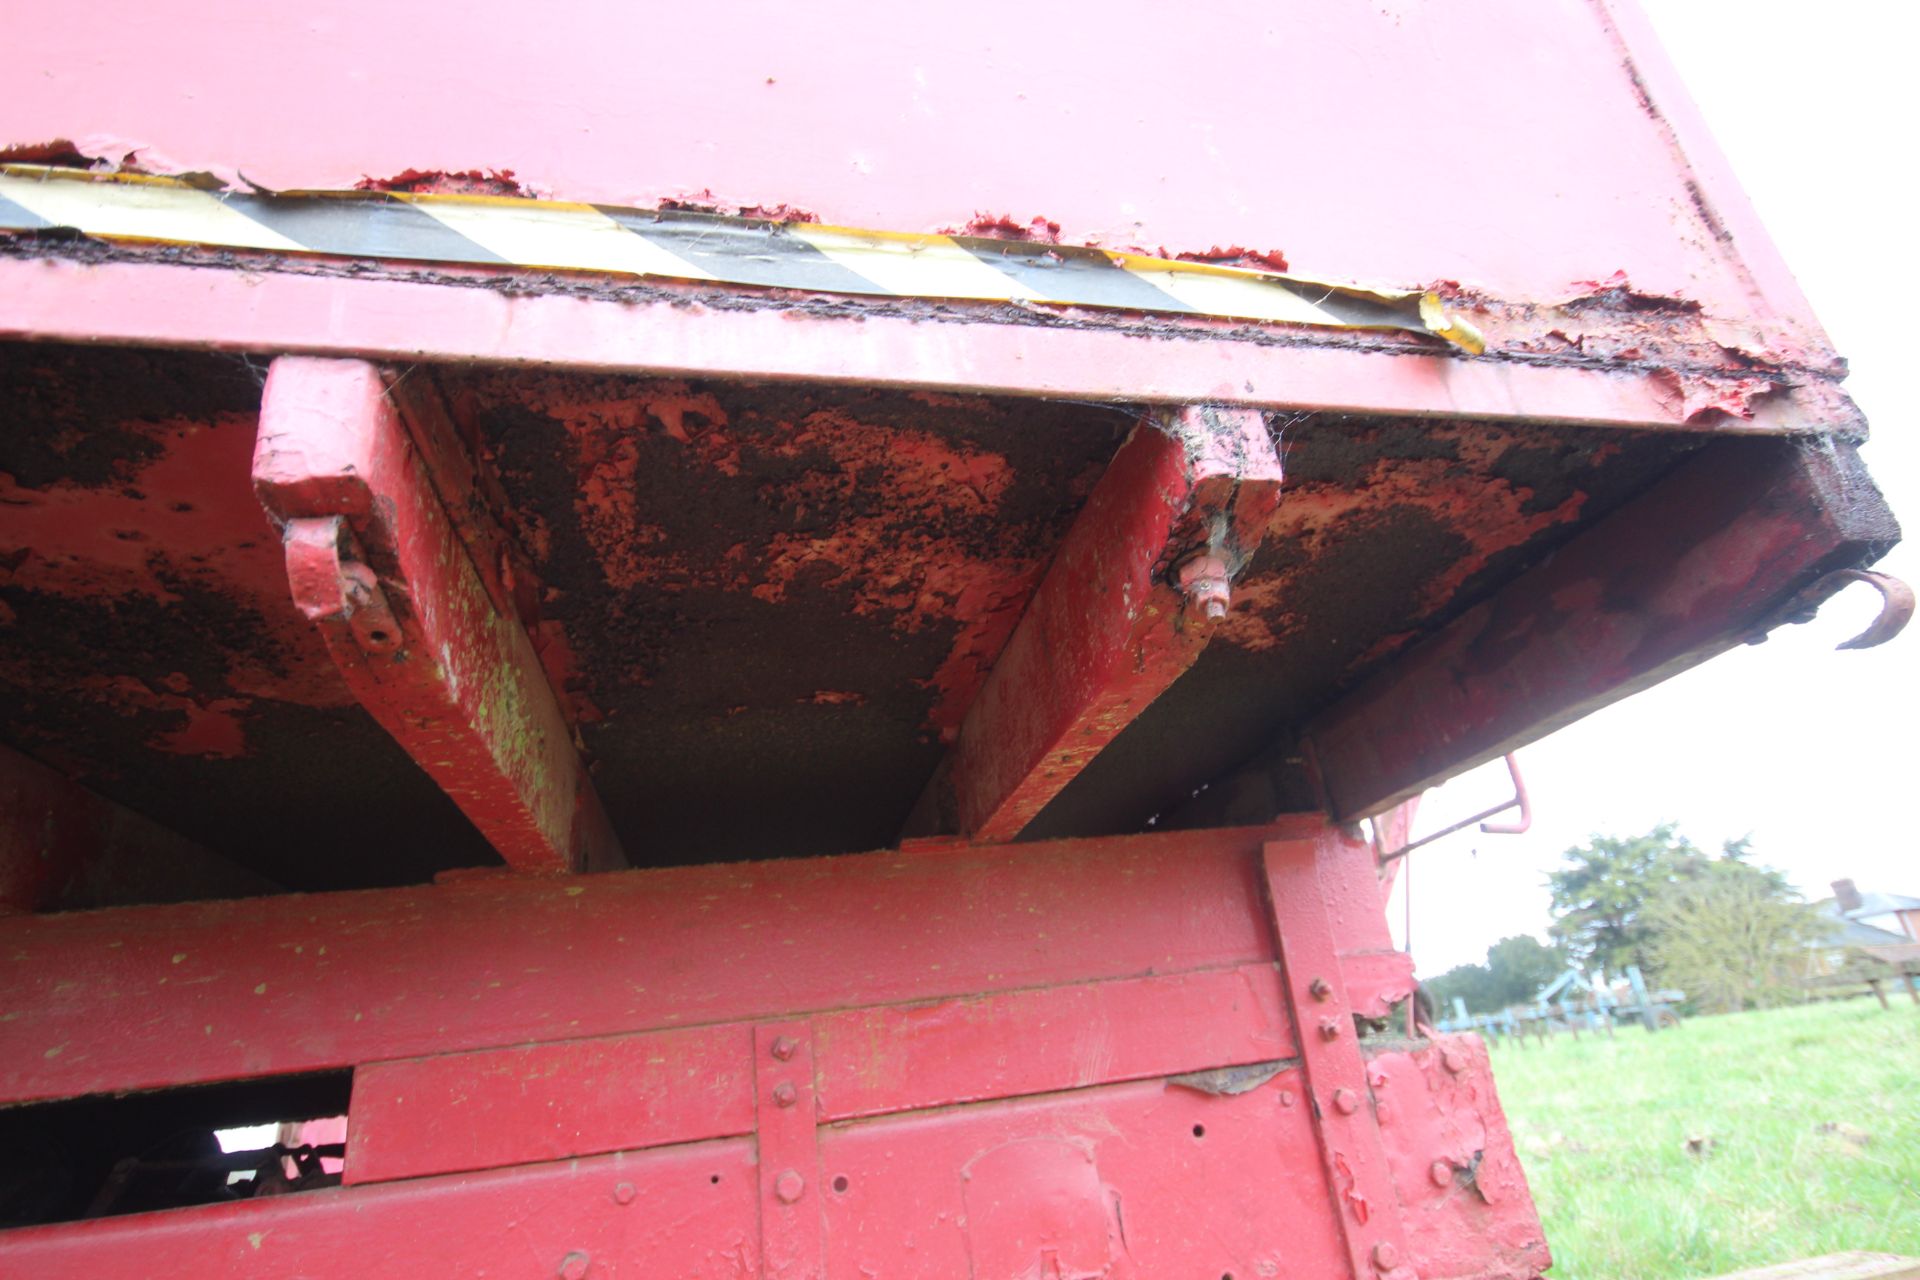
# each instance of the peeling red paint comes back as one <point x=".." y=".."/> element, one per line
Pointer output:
<point x="1039" y="229"/>
<point x="444" y="182"/>
<point x="1704" y="400"/>
<point x="888" y="554"/>
<point x="1458" y="483"/>
<point x="57" y="151"/>
<point x="1235" y="256"/>
<point x="163" y="526"/>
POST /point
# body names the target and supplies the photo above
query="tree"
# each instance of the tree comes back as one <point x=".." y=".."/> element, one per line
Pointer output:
<point x="1516" y="967"/>
<point x="1732" y="936"/>
<point x="1602" y="889"/>
<point x="1521" y="965"/>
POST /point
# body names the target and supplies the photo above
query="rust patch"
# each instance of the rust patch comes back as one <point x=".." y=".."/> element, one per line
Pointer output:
<point x="1386" y="529"/>
<point x="442" y="182"/>
<point x="59" y="152"/>
<point x="148" y="644"/>
<point x="1039" y="229"/>
<point x="776" y="591"/>
<point x="1236" y="256"/>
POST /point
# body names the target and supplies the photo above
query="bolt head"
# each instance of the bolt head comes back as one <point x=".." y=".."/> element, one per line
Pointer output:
<point x="784" y="1094"/>
<point x="1329" y="1028"/>
<point x="1346" y="1101"/>
<point x="574" y="1266"/>
<point x="1319" y="988"/>
<point x="789" y="1186"/>
<point x="1440" y="1173"/>
<point x="623" y="1193"/>
<point x="1385" y="1256"/>
<point x="784" y="1047"/>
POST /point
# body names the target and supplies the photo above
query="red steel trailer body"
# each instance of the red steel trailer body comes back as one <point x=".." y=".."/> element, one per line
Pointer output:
<point x="758" y="639"/>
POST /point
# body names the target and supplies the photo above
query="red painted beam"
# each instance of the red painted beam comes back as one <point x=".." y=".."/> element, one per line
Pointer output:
<point x="1703" y="561"/>
<point x="426" y="638"/>
<point x="64" y="848"/>
<point x="680" y="1211"/>
<point x="151" y="304"/>
<point x="1124" y="610"/>
<point x="1346" y="1116"/>
<point x="495" y="1107"/>
<point x="151" y="997"/>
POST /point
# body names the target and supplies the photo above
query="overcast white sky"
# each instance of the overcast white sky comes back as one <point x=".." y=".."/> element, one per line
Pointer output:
<point x="1809" y="750"/>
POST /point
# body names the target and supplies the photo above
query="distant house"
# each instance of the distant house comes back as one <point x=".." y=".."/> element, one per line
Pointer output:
<point x="1865" y="931"/>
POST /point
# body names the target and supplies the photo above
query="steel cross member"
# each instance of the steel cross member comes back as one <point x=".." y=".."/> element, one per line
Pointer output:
<point x="419" y="628"/>
<point x="1132" y="597"/>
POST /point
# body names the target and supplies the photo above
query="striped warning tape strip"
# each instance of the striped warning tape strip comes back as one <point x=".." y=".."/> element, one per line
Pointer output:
<point x="672" y="244"/>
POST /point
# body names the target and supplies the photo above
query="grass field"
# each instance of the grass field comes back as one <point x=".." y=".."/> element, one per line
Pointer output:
<point x="1808" y="1129"/>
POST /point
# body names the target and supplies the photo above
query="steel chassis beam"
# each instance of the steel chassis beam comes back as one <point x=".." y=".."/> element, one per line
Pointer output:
<point x="675" y="333"/>
<point x="1126" y="607"/>
<point x="1715" y="554"/>
<point x="1073" y="1058"/>
<point x="427" y="638"/>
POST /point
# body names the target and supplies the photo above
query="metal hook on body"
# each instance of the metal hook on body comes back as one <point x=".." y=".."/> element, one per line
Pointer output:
<point x="1896" y="607"/>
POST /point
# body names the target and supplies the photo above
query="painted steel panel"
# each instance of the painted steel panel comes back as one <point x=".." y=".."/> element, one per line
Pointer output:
<point x="680" y="1211"/>
<point x="155" y="996"/>
<point x="531" y="1103"/>
<point x="857" y="116"/>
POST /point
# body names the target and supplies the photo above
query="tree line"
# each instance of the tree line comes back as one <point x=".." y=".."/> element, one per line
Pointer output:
<point x="1730" y="933"/>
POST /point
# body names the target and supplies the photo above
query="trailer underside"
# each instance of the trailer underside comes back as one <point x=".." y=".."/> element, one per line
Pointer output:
<point x="453" y="689"/>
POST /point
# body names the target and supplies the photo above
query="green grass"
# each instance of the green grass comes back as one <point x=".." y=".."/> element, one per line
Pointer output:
<point x="1812" y="1117"/>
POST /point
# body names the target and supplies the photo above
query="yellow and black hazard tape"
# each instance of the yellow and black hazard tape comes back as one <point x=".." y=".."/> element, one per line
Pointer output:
<point x="678" y="245"/>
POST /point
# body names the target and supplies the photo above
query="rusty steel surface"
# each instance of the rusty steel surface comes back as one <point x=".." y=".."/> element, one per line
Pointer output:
<point x="1101" y="1107"/>
<point x="559" y="568"/>
<point x="1684" y="571"/>
<point x="765" y="608"/>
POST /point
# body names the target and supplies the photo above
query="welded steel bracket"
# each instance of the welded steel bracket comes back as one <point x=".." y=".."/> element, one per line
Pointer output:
<point x="424" y="636"/>
<point x="1135" y="591"/>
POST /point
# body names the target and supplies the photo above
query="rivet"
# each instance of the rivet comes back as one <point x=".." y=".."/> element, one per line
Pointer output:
<point x="1452" y="1061"/>
<point x="623" y="1193"/>
<point x="1345" y="1101"/>
<point x="1381" y="1109"/>
<point x="574" y="1266"/>
<point x="784" y="1094"/>
<point x="1286" y="1097"/>
<point x="1385" y="1256"/>
<point x="783" y="1047"/>
<point x="789" y="1186"/>
<point x="1319" y="988"/>
<point x="1441" y="1173"/>
<point x="1329" y="1028"/>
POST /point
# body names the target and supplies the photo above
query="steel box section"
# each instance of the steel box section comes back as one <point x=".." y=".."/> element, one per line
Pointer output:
<point x="846" y="113"/>
<point x="1076" y="1055"/>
